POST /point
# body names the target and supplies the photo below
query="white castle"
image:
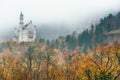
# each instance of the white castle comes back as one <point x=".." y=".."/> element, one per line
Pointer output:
<point x="24" y="33"/>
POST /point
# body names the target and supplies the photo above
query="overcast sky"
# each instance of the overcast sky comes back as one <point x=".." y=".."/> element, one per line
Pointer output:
<point x="70" y="12"/>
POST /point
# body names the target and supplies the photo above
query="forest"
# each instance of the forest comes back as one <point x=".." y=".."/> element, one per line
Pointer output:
<point x="20" y="62"/>
<point x="106" y="31"/>
<point x="93" y="54"/>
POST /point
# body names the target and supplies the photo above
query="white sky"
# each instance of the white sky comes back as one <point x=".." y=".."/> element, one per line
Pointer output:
<point x="55" y="11"/>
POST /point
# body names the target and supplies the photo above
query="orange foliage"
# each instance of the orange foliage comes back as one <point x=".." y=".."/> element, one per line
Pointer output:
<point x="105" y="60"/>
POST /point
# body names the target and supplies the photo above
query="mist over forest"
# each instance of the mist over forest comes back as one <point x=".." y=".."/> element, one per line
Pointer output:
<point x="51" y="31"/>
<point x="60" y="40"/>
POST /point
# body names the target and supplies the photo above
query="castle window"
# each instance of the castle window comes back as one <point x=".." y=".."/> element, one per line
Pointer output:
<point x="30" y="32"/>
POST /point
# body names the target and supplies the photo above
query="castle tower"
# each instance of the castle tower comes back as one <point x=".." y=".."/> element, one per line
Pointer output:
<point x="25" y="32"/>
<point x="21" y="20"/>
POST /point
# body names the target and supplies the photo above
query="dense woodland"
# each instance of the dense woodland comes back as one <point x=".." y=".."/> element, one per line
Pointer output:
<point x="90" y="55"/>
<point x="96" y="34"/>
<point x="20" y="62"/>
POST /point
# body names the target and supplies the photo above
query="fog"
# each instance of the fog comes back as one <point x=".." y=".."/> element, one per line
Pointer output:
<point x="69" y="15"/>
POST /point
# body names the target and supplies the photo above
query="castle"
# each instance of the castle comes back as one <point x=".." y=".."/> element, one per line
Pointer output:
<point x="24" y="33"/>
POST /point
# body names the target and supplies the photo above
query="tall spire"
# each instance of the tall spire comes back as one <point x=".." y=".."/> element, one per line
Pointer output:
<point x="21" y="19"/>
<point x="21" y="16"/>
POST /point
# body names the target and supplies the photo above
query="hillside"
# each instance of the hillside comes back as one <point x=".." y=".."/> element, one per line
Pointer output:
<point x="106" y="31"/>
<point x="94" y="57"/>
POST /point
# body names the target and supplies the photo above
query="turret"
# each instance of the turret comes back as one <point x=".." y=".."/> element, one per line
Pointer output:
<point x="21" y="20"/>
